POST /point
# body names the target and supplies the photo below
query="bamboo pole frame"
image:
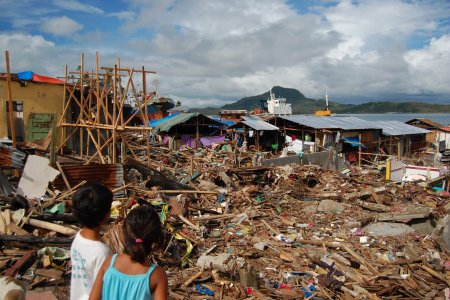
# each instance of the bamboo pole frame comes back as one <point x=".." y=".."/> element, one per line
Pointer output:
<point x="100" y="99"/>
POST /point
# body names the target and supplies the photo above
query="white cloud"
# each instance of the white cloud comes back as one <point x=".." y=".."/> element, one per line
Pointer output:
<point x="430" y="66"/>
<point x="77" y="6"/>
<point x="205" y="52"/>
<point x="26" y="51"/>
<point x="124" y="15"/>
<point x="212" y="19"/>
<point x="61" y="26"/>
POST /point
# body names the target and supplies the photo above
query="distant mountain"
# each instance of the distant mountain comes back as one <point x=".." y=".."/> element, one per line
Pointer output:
<point x="303" y="105"/>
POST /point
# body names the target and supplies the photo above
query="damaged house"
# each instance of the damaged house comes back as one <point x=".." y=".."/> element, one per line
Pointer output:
<point x="352" y="136"/>
<point x="257" y="134"/>
<point x="189" y="130"/>
<point x="37" y="100"/>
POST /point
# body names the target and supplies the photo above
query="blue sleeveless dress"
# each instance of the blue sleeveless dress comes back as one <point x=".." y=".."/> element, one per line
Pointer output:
<point x="120" y="286"/>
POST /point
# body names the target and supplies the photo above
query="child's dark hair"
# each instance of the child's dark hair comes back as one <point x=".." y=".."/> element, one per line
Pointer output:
<point x="142" y="233"/>
<point x="91" y="203"/>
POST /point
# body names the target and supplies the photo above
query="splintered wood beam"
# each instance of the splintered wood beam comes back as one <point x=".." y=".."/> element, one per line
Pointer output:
<point x="23" y="261"/>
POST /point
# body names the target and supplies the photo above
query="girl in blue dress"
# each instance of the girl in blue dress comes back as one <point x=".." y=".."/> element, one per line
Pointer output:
<point x="132" y="275"/>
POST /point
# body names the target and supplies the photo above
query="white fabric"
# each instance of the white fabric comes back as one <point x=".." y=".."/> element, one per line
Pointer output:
<point x="87" y="257"/>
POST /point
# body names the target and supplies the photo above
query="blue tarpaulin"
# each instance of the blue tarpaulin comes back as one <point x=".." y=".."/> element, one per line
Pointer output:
<point x="354" y="141"/>
<point x="153" y="123"/>
<point x="27" y="75"/>
<point x="226" y="122"/>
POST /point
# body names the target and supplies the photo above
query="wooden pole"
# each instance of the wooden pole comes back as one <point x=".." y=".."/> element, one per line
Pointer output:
<point x="359" y="149"/>
<point x="98" y="99"/>
<point x="315" y="139"/>
<point x="390" y="145"/>
<point x="144" y="90"/>
<point x="53" y="141"/>
<point x="63" y="129"/>
<point x="10" y="101"/>
<point x="81" y="116"/>
<point x="303" y="140"/>
<point x="197" y="134"/>
<point x="379" y="144"/>
<point x="114" y="115"/>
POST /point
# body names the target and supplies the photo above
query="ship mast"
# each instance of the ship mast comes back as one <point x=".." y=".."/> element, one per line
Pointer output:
<point x="270" y="87"/>
<point x="326" y="97"/>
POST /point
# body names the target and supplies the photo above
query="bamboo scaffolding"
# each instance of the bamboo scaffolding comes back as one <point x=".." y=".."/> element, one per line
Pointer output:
<point x="99" y="99"/>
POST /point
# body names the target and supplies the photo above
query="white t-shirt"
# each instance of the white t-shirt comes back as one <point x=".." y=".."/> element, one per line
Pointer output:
<point x="87" y="257"/>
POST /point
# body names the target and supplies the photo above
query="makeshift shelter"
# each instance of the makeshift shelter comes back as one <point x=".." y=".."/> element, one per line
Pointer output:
<point x="186" y="129"/>
<point x="345" y="134"/>
<point x="401" y="139"/>
<point x="257" y="132"/>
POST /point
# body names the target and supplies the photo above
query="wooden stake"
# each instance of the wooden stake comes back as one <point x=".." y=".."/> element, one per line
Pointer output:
<point x="10" y="101"/>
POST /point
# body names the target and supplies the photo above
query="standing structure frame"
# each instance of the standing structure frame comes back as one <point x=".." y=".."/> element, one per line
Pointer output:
<point x="93" y="112"/>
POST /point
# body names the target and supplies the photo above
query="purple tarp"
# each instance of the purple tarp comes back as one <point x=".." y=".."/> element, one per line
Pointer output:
<point x="187" y="141"/>
<point x="208" y="141"/>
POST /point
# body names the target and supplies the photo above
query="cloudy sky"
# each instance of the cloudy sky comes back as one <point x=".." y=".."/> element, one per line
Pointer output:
<point x="210" y="52"/>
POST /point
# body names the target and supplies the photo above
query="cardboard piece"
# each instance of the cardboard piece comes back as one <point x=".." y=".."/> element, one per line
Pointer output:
<point x="36" y="176"/>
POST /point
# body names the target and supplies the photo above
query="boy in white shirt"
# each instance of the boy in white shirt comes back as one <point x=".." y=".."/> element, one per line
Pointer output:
<point x="91" y="206"/>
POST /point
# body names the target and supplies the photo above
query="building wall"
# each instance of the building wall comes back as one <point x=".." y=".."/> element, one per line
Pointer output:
<point x="444" y="136"/>
<point x="36" y="97"/>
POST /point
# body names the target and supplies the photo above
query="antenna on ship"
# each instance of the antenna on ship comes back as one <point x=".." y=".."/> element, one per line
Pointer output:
<point x="270" y="86"/>
<point x="326" y="97"/>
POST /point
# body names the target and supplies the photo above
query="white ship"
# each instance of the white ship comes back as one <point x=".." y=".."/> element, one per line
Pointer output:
<point x="278" y="106"/>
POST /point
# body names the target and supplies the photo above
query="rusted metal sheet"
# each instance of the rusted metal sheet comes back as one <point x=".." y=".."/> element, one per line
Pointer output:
<point x="109" y="175"/>
<point x="10" y="157"/>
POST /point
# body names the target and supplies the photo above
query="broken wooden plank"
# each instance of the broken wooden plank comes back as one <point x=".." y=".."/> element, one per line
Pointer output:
<point x="21" y="263"/>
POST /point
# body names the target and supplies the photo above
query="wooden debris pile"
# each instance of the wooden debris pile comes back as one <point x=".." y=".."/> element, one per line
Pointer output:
<point x="235" y="230"/>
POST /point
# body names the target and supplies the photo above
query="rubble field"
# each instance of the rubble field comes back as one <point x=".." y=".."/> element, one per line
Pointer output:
<point x="236" y="230"/>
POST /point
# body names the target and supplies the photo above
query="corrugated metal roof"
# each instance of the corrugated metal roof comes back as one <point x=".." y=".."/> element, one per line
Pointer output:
<point x="428" y="122"/>
<point x="165" y="125"/>
<point x="110" y="175"/>
<point x="395" y="128"/>
<point x="333" y="122"/>
<point x="10" y="157"/>
<point x="257" y="123"/>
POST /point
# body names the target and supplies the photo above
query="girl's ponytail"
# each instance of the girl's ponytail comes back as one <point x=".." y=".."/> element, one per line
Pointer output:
<point x="142" y="233"/>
